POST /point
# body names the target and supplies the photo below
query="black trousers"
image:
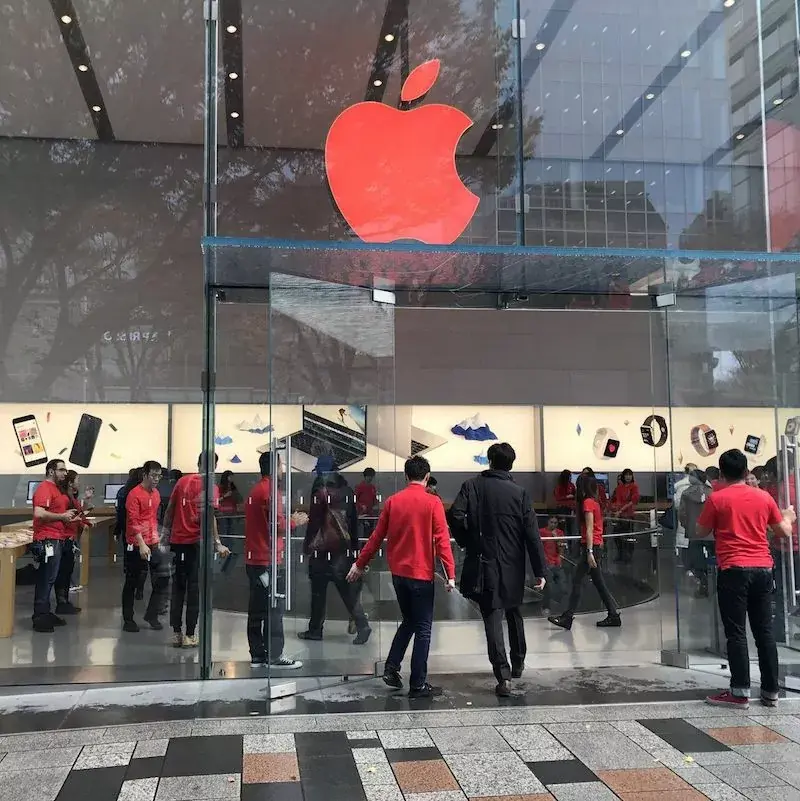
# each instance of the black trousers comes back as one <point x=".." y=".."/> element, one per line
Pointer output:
<point x="625" y="545"/>
<point x="555" y="589"/>
<point x="158" y="567"/>
<point x="742" y="594"/>
<point x="582" y="570"/>
<point x="495" y="642"/>
<point x="185" y="587"/>
<point x="321" y="572"/>
<point x="65" y="570"/>
<point x="264" y="622"/>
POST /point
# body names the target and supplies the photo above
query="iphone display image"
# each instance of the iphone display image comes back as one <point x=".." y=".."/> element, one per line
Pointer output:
<point x="30" y="440"/>
<point x="85" y="440"/>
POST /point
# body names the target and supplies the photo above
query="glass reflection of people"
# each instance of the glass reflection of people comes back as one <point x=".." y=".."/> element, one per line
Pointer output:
<point x="623" y="503"/>
<point x="73" y="531"/>
<point x="554" y="549"/>
<point x="143" y="553"/>
<point x="265" y="636"/>
<point x="433" y="486"/>
<point x="564" y="498"/>
<point x="182" y="527"/>
<point x="693" y="499"/>
<point x="51" y="513"/>
<point x="330" y="543"/>
<point x="229" y="499"/>
<point x="587" y="501"/>
<point x="751" y="480"/>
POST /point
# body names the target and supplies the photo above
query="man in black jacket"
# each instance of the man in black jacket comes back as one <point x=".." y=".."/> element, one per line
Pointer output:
<point x="493" y="520"/>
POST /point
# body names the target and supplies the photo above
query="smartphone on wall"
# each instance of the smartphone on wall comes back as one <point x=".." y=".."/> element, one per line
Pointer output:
<point x="85" y="440"/>
<point x="30" y="440"/>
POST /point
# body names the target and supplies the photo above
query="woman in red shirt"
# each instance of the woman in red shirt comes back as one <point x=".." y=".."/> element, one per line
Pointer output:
<point x="591" y="516"/>
<point x="623" y="505"/>
<point x="602" y="495"/>
<point x="229" y="498"/>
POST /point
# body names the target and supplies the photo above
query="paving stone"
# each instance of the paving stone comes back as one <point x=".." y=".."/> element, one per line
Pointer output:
<point x="788" y="771"/>
<point x="376" y="773"/>
<point x="383" y="792"/>
<point x="434" y="720"/>
<point x="641" y="780"/>
<point x="705" y="758"/>
<point x="32" y="785"/>
<point x="585" y="791"/>
<point x="150" y="748"/>
<point x="643" y="737"/>
<point x="468" y="740"/>
<point x="739" y="720"/>
<point x="370" y="756"/>
<point x="787" y="725"/>
<point x="746" y="735"/>
<point x="138" y="790"/>
<point x="424" y="777"/>
<point x="783" y="752"/>
<point x="268" y="744"/>
<point x="362" y="735"/>
<point x="670" y="757"/>
<point x="405" y="738"/>
<point x="269" y="768"/>
<point x="225" y="787"/>
<point x="211" y="728"/>
<point x="509" y="716"/>
<point x="536" y="743"/>
<point x="51" y="739"/>
<point x="721" y="792"/>
<point x="695" y="775"/>
<point x="147" y="731"/>
<point x="502" y="773"/>
<point x="108" y="755"/>
<point x="579" y="727"/>
<point x="33" y="760"/>
<point x="773" y="794"/>
<point x="613" y="751"/>
<point x="743" y="777"/>
<point x="442" y="795"/>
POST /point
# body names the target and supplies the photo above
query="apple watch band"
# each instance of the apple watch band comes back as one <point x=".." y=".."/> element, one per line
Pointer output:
<point x="605" y="444"/>
<point x="704" y="439"/>
<point x="651" y="422"/>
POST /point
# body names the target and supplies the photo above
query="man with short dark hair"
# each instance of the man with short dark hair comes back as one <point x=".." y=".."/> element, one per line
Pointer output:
<point x="50" y="513"/>
<point x="739" y="517"/>
<point x="414" y="525"/>
<point x="492" y="518"/>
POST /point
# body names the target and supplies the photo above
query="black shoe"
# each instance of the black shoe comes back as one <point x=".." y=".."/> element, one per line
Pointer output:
<point x="56" y="620"/>
<point x="426" y="691"/>
<point x="391" y="678"/>
<point x="610" y="622"/>
<point x="563" y="621"/>
<point x="130" y="625"/>
<point x="503" y="690"/>
<point x="154" y="623"/>
<point x="516" y="672"/>
<point x="43" y="624"/>
<point x="362" y="636"/>
<point x="66" y="608"/>
<point x="309" y="635"/>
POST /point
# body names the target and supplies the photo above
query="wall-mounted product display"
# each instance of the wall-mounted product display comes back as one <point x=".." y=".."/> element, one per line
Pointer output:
<point x="98" y="438"/>
<point x="789" y="422"/>
<point x="606" y="438"/>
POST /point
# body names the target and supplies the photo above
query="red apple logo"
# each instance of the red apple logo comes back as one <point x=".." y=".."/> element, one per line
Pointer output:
<point x="393" y="173"/>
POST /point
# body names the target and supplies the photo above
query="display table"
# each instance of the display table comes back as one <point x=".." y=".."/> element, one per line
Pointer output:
<point x="14" y="541"/>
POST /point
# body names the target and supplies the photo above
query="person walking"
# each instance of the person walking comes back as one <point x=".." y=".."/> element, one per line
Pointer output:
<point x="413" y="524"/>
<point x="492" y="519"/>
<point x="591" y="520"/>
<point x="739" y="516"/>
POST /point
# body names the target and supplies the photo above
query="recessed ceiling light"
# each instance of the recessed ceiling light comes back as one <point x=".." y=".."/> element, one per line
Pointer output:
<point x="740" y="136"/>
<point x="377" y="82"/>
<point x="83" y="68"/>
<point x="777" y="101"/>
<point x="389" y="37"/>
<point x="540" y="45"/>
<point x="96" y="108"/>
<point x="619" y="132"/>
<point x="233" y="75"/>
<point x="231" y="29"/>
<point x="686" y="53"/>
<point x="66" y="19"/>
<point x="649" y="96"/>
<point x="235" y="115"/>
<point x="497" y="126"/>
<point x="728" y="3"/>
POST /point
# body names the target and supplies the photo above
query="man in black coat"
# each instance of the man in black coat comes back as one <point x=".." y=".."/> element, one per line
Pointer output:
<point x="493" y="520"/>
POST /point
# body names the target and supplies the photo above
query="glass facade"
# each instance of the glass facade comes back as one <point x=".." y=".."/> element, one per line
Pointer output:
<point x="322" y="235"/>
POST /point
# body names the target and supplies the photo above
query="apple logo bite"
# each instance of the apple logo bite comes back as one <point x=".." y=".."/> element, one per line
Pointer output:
<point x="393" y="173"/>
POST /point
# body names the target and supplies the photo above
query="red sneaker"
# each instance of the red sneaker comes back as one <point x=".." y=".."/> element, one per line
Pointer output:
<point x="727" y="698"/>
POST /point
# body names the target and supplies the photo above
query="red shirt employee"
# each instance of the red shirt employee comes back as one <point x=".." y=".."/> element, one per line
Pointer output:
<point x="552" y="552"/>
<point x="564" y="492"/>
<point x="626" y="495"/>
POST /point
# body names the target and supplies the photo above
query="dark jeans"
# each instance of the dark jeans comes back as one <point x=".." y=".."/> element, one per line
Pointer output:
<point x="496" y="646"/>
<point x="625" y="545"/>
<point x="322" y="571"/>
<point x="415" y="599"/>
<point x="698" y="561"/>
<point x="745" y="593"/>
<point x="582" y="569"/>
<point x="556" y="587"/>
<point x="185" y="587"/>
<point x="46" y="575"/>
<point x="265" y="622"/>
<point x="135" y="566"/>
<point x="65" y="569"/>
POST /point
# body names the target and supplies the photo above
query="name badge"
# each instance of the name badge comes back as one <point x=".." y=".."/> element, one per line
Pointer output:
<point x="49" y="551"/>
<point x="130" y="547"/>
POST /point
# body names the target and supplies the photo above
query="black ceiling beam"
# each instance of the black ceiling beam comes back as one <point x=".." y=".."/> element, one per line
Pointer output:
<point x="78" y="53"/>
<point x="233" y="65"/>
<point x="668" y="73"/>
<point x="546" y="35"/>
<point x="394" y="25"/>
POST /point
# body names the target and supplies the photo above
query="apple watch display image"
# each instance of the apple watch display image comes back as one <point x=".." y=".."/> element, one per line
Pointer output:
<point x="605" y="444"/>
<point x="654" y="431"/>
<point x="704" y="439"/>
<point x="754" y="444"/>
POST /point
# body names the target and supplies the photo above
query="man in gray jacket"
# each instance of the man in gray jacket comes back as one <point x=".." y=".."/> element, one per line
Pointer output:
<point x="693" y="499"/>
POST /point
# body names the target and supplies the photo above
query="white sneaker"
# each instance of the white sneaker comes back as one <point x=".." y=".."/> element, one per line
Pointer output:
<point x="285" y="662"/>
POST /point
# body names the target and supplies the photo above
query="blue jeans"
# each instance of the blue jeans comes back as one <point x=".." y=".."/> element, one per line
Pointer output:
<point x="415" y="598"/>
<point x="46" y="575"/>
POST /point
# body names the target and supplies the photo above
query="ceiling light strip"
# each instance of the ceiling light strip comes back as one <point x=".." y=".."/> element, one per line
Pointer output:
<point x="233" y="67"/>
<point x="394" y="28"/>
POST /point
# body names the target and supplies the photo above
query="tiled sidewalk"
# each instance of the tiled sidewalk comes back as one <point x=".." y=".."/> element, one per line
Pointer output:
<point x="648" y="752"/>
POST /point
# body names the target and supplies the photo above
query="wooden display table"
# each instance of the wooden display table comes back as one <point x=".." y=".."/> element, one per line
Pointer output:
<point x="14" y="541"/>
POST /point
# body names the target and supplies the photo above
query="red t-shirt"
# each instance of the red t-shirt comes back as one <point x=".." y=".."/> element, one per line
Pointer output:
<point x="591" y="505"/>
<point x="626" y="497"/>
<point x="73" y="529"/>
<point x="257" y="535"/>
<point x="781" y="543"/>
<point x="48" y="496"/>
<point x="739" y="517"/>
<point x="414" y="525"/>
<point x="141" y="515"/>
<point x="228" y="506"/>
<point x="187" y="506"/>
<point x="561" y="492"/>
<point x="366" y="498"/>
<point x="551" y="552"/>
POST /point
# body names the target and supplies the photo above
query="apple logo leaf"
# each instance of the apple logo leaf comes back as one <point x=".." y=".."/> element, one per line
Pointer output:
<point x="420" y="80"/>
